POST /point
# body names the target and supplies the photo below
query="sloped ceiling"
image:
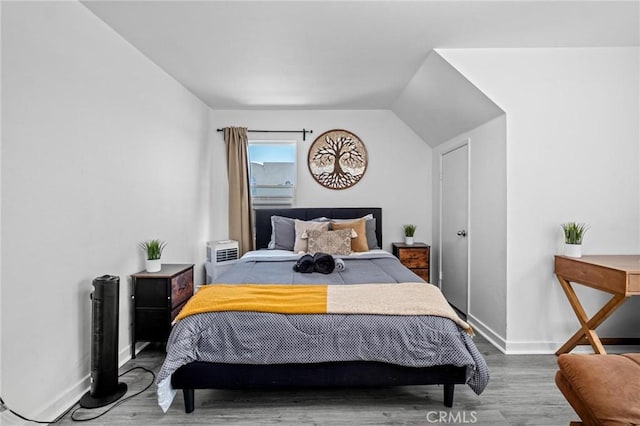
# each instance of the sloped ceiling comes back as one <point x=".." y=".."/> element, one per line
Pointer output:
<point x="439" y="103"/>
<point x="341" y="54"/>
<point x="350" y="54"/>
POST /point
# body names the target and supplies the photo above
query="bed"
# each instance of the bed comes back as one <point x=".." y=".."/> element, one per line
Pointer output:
<point x="238" y="349"/>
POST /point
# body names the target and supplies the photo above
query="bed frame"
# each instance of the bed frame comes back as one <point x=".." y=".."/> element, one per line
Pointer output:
<point x="207" y="375"/>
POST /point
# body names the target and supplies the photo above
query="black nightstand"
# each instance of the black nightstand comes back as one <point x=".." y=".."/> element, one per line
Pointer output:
<point x="415" y="257"/>
<point x="156" y="299"/>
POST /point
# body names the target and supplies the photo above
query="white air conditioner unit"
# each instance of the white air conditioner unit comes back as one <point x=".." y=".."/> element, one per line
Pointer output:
<point x="221" y="255"/>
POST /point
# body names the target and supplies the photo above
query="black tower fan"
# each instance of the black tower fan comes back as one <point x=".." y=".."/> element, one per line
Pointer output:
<point x="105" y="388"/>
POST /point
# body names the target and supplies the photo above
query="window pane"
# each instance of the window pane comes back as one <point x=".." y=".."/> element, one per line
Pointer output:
<point x="272" y="172"/>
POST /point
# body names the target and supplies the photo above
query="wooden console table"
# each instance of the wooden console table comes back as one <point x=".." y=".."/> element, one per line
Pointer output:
<point x="615" y="274"/>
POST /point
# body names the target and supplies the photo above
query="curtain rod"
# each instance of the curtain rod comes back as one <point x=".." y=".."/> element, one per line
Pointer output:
<point x="303" y="131"/>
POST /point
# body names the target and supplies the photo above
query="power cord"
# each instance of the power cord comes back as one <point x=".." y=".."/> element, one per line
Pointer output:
<point x="6" y="408"/>
<point x="122" y="401"/>
<point x="3" y="405"/>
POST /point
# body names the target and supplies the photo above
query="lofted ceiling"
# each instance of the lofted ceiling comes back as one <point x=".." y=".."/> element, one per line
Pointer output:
<point x="439" y="103"/>
<point x="342" y="54"/>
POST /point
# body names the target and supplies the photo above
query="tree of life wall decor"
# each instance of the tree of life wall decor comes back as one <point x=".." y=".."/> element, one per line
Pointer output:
<point x="337" y="159"/>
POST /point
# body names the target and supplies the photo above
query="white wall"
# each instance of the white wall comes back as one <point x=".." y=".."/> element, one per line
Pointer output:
<point x="398" y="177"/>
<point x="100" y="150"/>
<point x="1" y="132"/>
<point x="572" y="154"/>
<point x="487" y="226"/>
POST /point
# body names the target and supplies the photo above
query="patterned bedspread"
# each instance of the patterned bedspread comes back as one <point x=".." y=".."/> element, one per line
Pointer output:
<point x="249" y="338"/>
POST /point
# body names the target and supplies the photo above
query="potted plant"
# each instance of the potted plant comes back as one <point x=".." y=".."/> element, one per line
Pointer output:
<point x="408" y="230"/>
<point x="573" y="234"/>
<point x="153" y="250"/>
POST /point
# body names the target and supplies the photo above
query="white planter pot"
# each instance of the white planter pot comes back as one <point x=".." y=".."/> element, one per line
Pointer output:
<point x="573" y="250"/>
<point x="408" y="240"/>
<point x="153" y="265"/>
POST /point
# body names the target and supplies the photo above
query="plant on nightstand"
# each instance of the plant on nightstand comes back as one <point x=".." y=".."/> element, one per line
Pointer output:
<point x="408" y="230"/>
<point x="573" y="234"/>
<point x="153" y="251"/>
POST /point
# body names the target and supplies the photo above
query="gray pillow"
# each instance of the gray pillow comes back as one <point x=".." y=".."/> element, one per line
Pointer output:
<point x="370" y="229"/>
<point x="283" y="233"/>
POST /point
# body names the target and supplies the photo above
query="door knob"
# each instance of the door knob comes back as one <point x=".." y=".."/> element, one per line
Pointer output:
<point x="462" y="233"/>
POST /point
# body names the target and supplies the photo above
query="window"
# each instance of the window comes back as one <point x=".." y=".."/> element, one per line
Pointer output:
<point x="272" y="173"/>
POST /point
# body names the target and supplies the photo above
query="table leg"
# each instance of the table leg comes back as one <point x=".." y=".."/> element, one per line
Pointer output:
<point x="587" y="326"/>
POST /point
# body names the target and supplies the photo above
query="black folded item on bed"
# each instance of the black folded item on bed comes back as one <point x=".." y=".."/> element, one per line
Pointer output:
<point x="304" y="264"/>
<point x="319" y="262"/>
<point x="323" y="263"/>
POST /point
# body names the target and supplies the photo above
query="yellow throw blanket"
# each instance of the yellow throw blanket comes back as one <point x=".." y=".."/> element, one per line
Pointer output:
<point x="379" y="299"/>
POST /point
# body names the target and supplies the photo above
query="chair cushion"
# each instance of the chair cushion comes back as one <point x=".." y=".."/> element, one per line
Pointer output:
<point x="602" y="389"/>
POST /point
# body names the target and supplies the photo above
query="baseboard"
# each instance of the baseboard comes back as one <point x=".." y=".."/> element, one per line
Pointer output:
<point x="8" y="419"/>
<point x="550" y="348"/>
<point x="125" y="355"/>
<point x="67" y="398"/>
<point x="72" y="395"/>
<point x="481" y="328"/>
<point x="543" y="347"/>
<point x="532" y="347"/>
<point x="510" y="347"/>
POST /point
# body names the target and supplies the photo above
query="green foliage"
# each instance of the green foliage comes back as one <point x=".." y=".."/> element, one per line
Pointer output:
<point x="409" y="230"/>
<point x="153" y="248"/>
<point x="573" y="232"/>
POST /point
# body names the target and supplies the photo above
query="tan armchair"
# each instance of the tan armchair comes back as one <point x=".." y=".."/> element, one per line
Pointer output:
<point x="602" y="389"/>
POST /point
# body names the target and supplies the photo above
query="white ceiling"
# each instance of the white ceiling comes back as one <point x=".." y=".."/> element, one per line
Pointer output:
<point x="342" y="54"/>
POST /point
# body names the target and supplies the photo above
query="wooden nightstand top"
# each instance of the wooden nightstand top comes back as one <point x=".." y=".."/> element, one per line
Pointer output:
<point x="168" y="270"/>
<point x="416" y="245"/>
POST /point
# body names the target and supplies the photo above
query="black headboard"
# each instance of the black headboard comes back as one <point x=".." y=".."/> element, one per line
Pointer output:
<point x="263" y="218"/>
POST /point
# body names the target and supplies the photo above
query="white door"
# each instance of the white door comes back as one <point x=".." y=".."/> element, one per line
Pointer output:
<point x="454" y="193"/>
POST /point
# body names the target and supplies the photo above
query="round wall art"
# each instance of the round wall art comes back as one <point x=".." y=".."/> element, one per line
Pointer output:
<point x="337" y="159"/>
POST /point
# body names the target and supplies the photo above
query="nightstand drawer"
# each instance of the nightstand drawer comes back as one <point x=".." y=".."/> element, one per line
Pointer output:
<point x="422" y="273"/>
<point x="152" y="324"/>
<point x="181" y="288"/>
<point x="413" y="258"/>
<point x="150" y="293"/>
<point x="176" y="311"/>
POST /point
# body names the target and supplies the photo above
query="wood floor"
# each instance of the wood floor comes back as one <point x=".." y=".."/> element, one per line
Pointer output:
<point x="521" y="391"/>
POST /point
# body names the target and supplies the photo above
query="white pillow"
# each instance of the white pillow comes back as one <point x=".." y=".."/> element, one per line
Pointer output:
<point x="301" y="226"/>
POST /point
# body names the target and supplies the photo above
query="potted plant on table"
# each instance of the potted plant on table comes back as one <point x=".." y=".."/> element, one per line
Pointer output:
<point x="573" y="234"/>
<point x="153" y="250"/>
<point x="408" y="230"/>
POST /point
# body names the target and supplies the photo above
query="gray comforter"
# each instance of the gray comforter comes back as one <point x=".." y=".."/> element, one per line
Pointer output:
<point x="372" y="267"/>
<point x="249" y="337"/>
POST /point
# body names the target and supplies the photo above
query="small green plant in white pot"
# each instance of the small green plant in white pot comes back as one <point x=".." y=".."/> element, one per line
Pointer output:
<point x="573" y="235"/>
<point x="408" y="230"/>
<point x="153" y="252"/>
